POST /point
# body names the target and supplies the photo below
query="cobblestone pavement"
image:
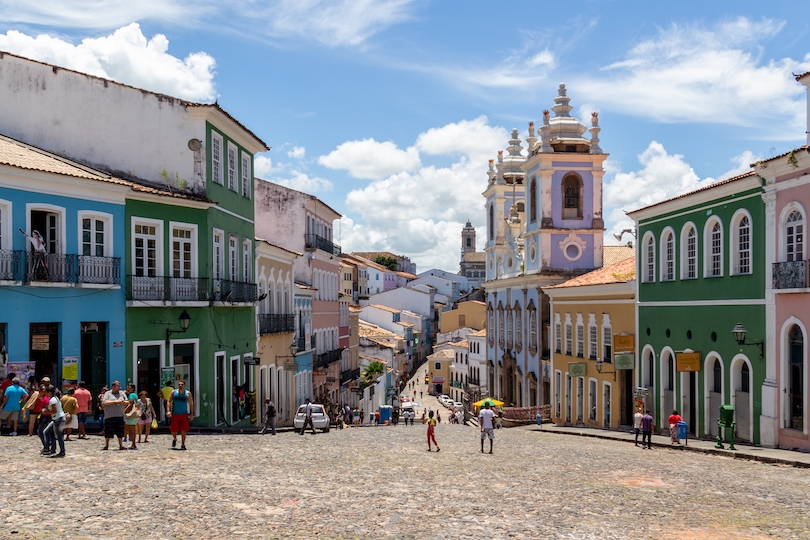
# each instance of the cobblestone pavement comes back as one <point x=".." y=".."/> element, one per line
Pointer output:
<point x="374" y="482"/>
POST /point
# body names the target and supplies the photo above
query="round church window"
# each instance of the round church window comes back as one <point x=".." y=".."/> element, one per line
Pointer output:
<point x="572" y="252"/>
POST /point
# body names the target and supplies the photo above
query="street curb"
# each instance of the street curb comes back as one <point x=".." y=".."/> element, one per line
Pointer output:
<point x="708" y="451"/>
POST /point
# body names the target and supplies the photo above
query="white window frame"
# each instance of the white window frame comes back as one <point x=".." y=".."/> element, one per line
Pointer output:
<point x="607" y="327"/>
<point x="557" y="334"/>
<point x="708" y="247"/>
<point x="685" y="259"/>
<point x="233" y="257"/>
<point x="246" y="166"/>
<point x="6" y="219"/>
<point x="50" y="208"/>
<point x="196" y="343"/>
<point x="580" y="337"/>
<point x="569" y="338"/>
<point x="108" y="230"/>
<point x="648" y="258"/>
<point x="232" y="168"/>
<point x="246" y="260"/>
<point x="218" y="266"/>
<point x="216" y="161"/>
<point x="667" y="256"/>
<point x="789" y="208"/>
<point x="737" y="251"/>
<point x="194" y="251"/>
<point x="158" y="225"/>
<point x="593" y="337"/>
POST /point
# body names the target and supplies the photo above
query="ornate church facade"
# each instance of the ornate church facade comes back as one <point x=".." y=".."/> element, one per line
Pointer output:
<point x="544" y="226"/>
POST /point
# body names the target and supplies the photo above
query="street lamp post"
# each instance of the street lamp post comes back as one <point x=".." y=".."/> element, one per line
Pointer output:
<point x="600" y="366"/>
<point x="739" y="332"/>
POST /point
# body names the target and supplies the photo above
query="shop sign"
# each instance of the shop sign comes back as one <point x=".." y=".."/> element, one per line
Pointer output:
<point x="70" y="368"/>
<point x="624" y="361"/>
<point x="438" y="380"/>
<point x="577" y="369"/>
<point x="40" y="342"/>
<point x="687" y="362"/>
<point x="624" y="343"/>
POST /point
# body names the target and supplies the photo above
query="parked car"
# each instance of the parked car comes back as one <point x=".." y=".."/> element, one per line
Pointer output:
<point x="319" y="417"/>
<point x="457" y="405"/>
<point x="445" y="400"/>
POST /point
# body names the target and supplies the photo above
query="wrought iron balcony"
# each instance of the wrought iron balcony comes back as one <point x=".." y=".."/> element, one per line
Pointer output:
<point x="313" y="241"/>
<point x="349" y="375"/>
<point x="99" y="270"/>
<point x="11" y="265"/>
<point x="790" y="275"/>
<point x="167" y="289"/>
<point x="50" y="267"/>
<point x="302" y="346"/>
<point x="235" y="291"/>
<point x="323" y="360"/>
<point x="276" y="324"/>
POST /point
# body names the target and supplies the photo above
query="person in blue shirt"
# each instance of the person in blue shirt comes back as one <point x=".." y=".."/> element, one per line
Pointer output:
<point x="181" y="412"/>
<point x="11" y="404"/>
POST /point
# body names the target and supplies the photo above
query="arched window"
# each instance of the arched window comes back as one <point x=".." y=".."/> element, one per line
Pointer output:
<point x="533" y="201"/>
<point x="649" y="259"/>
<point x="741" y="243"/>
<point x="718" y="377"/>
<point x="469" y="241"/>
<point x="668" y="256"/>
<point x="713" y="266"/>
<point x="794" y="236"/>
<point x="491" y="222"/>
<point x="572" y="197"/>
<point x="670" y="377"/>
<point x="745" y="378"/>
<point x="796" y="377"/>
<point x="689" y="254"/>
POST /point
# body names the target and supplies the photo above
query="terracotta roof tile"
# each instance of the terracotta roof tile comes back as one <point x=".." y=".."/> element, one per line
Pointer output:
<point x="372" y="330"/>
<point x="385" y="308"/>
<point x="614" y="254"/>
<point x="464" y="344"/>
<point x="802" y="76"/>
<point x="444" y="353"/>
<point x="805" y="147"/>
<point x="620" y="272"/>
<point x="474" y="256"/>
<point x="478" y="333"/>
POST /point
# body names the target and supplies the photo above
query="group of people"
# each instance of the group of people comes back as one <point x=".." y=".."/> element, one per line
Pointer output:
<point x="643" y="425"/>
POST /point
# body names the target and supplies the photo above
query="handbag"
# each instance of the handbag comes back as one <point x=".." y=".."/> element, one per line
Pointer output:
<point x="154" y="423"/>
<point x="68" y="418"/>
<point x="134" y="412"/>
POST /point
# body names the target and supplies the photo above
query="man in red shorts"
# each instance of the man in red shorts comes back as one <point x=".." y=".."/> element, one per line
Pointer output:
<point x="181" y="413"/>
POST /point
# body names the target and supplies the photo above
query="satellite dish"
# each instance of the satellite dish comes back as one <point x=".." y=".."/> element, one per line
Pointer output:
<point x="194" y="145"/>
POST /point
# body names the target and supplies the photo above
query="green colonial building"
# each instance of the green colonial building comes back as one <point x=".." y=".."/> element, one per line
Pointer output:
<point x="701" y="271"/>
<point x="190" y="283"/>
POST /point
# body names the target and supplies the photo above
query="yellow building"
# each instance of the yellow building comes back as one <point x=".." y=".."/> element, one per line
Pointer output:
<point x="439" y="371"/>
<point x="593" y="347"/>
<point x="472" y="314"/>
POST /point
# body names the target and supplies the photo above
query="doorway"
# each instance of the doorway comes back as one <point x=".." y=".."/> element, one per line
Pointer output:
<point x="93" y="360"/>
<point x="44" y="350"/>
<point x="148" y="376"/>
<point x="627" y="390"/>
<point x="220" y="387"/>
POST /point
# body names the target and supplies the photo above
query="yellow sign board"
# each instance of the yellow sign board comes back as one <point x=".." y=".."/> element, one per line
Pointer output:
<point x="70" y="368"/>
<point x="687" y="362"/>
<point x="624" y="343"/>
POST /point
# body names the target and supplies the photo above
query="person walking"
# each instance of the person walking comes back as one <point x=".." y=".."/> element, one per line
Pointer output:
<point x="56" y="427"/>
<point x="70" y="406"/>
<point x="431" y="432"/>
<point x="32" y="409"/>
<point x="486" y="421"/>
<point x="11" y="404"/>
<point x="132" y="414"/>
<point x="84" y="399"/>
<point x="100" y="408"/>
<point x="113" y="402"/>
<point x="362" y="416"/>
<point x="165" y="394"/>
<point x="181" y="413"/>
<point x="308" y="418"/>
<point x="673" y="420"/>
<point x="44" y="413"/>
<point x="269" y="417"/>
<point x="637" y="424"/>
<point x="147" y="415"/>
<point x="646" y="430"/>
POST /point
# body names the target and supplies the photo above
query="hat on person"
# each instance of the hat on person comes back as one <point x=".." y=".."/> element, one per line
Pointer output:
<point x="15" y="380"/>
<point x="46" y="379"/>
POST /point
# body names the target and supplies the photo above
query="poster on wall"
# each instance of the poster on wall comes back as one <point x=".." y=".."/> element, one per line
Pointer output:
<point x="70" y="368"/>
<point x="251" y="407"/>
<point x="166" y="376"/>
<point x="23" y="370"/>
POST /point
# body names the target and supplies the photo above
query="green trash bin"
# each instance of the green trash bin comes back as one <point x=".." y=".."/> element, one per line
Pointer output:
<point x="726" y="415"/>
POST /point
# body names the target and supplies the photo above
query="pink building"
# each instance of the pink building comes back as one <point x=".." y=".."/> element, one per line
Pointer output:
<point x="787" y="379"/>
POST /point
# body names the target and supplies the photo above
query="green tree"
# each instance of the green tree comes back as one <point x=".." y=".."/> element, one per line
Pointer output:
<point x="373" y="371"/>
<point x="387" y="262"/>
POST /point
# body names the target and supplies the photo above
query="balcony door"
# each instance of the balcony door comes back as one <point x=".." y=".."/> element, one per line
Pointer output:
<point x="93" y="360"/>
<point x="47" y="224"/>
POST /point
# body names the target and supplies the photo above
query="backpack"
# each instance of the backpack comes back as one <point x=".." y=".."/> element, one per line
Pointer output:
<point x="271" y="411"/>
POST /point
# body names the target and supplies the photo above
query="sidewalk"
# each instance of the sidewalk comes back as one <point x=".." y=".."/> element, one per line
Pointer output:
<point x="753" y="453"/>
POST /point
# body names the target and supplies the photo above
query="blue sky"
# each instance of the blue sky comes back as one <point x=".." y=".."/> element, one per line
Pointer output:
<point x="389" y="111"/>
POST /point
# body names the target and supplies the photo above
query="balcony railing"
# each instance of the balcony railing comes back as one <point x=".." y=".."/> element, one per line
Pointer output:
<point x="302" y="346"/>
<point x="11" y="265"/>
<point x="275" y="324"/>
<point x="99" y="270"/>
<point x="167" y="289"/>
<point x="790" y="275"/>
<point x="50" y="267"/>
<point x="349" y="375"/>
<point x="235" y="291"/>
<point x="323" y="360"/>
<point x="315" y="241"/>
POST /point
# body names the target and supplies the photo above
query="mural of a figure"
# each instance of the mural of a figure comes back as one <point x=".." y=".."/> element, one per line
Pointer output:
<point x="39" y="265"/>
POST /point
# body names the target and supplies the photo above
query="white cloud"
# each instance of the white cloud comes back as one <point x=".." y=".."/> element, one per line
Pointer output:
<point x="301" y="181"/>
<point x="695" y="74"/>
<point x="126" y="56"/>
<point x="297" y="152"/>
<point x="101" y="14"/>
<point x="662" y="177"/>
<point x="371" y="160"/>
<point x="331" y="22"/>
<point x="473" y="138"/>
<point x="545" y="58"/>
<point x="742" y="164"/>
<point x="263" y="166"/>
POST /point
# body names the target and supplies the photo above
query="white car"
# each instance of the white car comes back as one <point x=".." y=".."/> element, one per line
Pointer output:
<point x="319" y="417"/>
<point x="457" y="405"/>
<point x="444" y="399"/>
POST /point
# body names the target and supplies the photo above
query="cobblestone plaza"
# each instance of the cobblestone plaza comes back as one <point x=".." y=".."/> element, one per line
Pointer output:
<point x="381" y="482"/>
